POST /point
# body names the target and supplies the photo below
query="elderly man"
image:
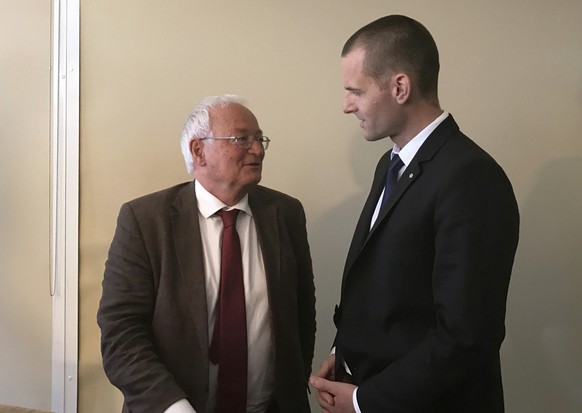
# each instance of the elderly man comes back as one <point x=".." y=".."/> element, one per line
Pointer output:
<point x="208" y="295"/>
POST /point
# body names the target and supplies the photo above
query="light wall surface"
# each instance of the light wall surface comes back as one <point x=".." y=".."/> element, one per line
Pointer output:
<point x="25" y="301"/>
<point x="510" y="74"/>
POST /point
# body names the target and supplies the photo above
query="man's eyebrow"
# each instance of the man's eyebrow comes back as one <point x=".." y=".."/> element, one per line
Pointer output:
<point x="245" y="131"/>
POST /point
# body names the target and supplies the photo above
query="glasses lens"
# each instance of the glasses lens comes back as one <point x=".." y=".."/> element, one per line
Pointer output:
<point x="245" y="142"/>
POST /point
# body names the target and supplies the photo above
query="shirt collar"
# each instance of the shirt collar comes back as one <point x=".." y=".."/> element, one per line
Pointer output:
<point x="209" y="205"/>
<point x="410" y="149"/>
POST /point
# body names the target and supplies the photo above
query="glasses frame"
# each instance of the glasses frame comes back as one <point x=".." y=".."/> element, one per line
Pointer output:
<point x="242" y="142"/>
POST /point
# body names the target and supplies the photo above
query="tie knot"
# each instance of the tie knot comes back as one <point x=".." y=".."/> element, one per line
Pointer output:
<point x="228" y="217"/>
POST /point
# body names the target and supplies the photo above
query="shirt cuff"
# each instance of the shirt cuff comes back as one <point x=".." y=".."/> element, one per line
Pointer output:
<point x="355" y="401"/>
<point x="182" y="406"/>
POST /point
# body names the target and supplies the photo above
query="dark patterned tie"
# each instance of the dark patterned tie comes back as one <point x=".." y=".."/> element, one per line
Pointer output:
<point x="229" y="341"/>
<point x="392" y="176"/>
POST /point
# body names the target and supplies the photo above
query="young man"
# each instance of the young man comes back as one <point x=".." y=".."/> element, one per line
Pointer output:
<point x="421" y="317"/>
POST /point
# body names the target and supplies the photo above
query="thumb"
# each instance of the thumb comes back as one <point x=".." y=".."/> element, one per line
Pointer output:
<point x="322" y="384"/>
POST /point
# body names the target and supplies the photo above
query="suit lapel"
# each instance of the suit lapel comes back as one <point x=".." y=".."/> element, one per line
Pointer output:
<point x="188" y="246"/>
<point x="363" y="226"/>
<point x="265" y="217"/>
<point x="410" y="174"/>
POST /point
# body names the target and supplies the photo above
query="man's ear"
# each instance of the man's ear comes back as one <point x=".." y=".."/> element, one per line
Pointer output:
<point x="401" y="85"/>
<point x="197" y="151"/>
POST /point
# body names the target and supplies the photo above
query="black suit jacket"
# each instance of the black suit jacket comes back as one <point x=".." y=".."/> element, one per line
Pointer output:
<point x="153" y="313"/>
<point x="422" y="310"/>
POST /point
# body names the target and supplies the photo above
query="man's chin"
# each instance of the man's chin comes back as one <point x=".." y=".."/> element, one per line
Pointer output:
<point x="373" y="138"/>
<point x="254" y="180"/>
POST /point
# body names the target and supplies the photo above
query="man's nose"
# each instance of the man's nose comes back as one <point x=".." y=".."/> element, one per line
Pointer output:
<point x="256" y="147"/>
<point x="348" y="105"/>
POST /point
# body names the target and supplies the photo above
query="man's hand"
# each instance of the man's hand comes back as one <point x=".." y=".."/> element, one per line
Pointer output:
<point x="326" y="372"/>
<point x="333" y="396"/>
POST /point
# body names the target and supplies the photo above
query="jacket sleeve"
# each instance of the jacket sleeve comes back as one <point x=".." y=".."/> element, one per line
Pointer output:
<point x="305" y="294"/>
<point x="125" y="318"/>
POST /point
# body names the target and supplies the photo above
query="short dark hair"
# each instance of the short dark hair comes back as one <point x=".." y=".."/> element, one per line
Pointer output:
<point x="398" y="43"/>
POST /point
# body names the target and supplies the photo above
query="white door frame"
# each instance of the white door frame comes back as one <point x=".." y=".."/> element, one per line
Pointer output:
<point x="64" y="203"/>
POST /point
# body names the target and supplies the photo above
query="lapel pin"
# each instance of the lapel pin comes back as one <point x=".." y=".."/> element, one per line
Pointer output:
<point x="411" y="175"/>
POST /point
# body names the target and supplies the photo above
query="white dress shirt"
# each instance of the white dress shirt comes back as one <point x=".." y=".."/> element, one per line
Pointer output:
<point x="260" y="381"/>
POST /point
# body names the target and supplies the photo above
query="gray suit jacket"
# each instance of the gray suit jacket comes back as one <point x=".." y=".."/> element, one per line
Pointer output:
<point x="153" y="313"/>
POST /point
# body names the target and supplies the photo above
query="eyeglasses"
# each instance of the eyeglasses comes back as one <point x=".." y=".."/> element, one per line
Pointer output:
<point x="243" y="142"/>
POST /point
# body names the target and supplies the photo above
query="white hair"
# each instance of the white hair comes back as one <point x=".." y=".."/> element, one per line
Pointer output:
<point x="197" y="124"/>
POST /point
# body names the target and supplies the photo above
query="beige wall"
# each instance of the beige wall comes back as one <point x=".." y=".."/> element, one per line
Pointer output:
<point x="25" y="302"/>
<point x="510" y="75"/>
